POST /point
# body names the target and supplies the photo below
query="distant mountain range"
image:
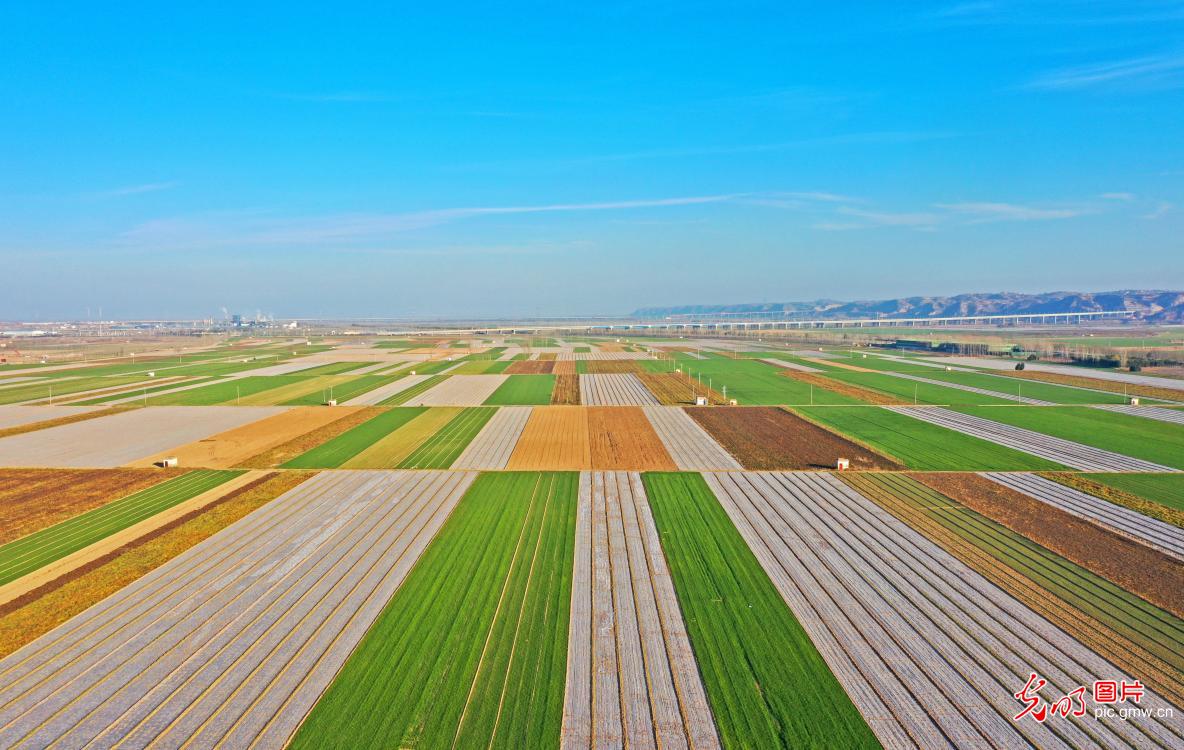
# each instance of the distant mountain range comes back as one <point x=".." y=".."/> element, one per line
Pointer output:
<point x="1152" y="305"/>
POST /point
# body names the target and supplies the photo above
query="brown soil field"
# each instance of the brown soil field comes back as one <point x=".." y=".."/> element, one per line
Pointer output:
<point x="565" y="367"/>
<point x="555" y="439"/>
<point x="548" y="357"/>
<point x="622" y="438"/>
<point x="1148" y="391"/>
<point x="33" y="426"/>
<point x="567" y="390"/>
<point x="840" y="365"/>
<point x="1118" y="497"/>
<point x="230" y="448"/>
<point x="291" y="449"/>
<point x="530" y="367"/>
<point x="610" y="347"/>
<point x="612" y="366"/>
<point x="1142" y="570"/>
<point x="868" y="395"/>
<point x="24" y="620"/>
<point x="673" y="389"/>
<point x="768" y="438"/>
<point x="32" y="499"/>
<point x="1124" y="652"/>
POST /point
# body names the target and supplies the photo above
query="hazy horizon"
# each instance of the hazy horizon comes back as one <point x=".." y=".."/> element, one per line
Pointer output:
<point x="510" y="160"/>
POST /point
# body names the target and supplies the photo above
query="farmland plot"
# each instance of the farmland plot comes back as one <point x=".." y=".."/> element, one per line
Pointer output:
<point x="614" y="390"/>
<point x="566" y="391"/>
<point x="993" y="394"/>
<point x="1141" y="491"/>
<point x="767" y="684"/>
<point x="930" y="650"/>
<point x="688" y="444"/>
<point x="18" y="416"/>
<point x="341" y="448"/>
<point x="555" y="438"/>
<point x="229" y="448"/>
<point x="620" y="437"/>
<point x="673" y="389"/>
<point x="764" y="437"/>
<point x="443" y="447"/>
<point x="232" y="642"/>
<point x="384" y="392"/>
<point x="1173" y="416"/>
<point x="492" y="447"/>
<point x="531" y="367"/>
<point x="469" y="652"/>
<point x="1135" y="634"/>
<point x="121" y="438"/>
<point x="460" y="390"/>
<point x="523" y="390"/>
<point x="391" y="450"/>
<point x="1066" y="452"/>
<point x="1149" y="531"/>
<point x="631" y="675"/>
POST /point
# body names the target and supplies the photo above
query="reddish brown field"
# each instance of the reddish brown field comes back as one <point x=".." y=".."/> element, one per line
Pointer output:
<point x="866" y="395"/>
<point x="567" y="390"/>
<point x="32" y="499"/>
<point x="622" y="438"/>
<point x="612" y="366"/>
<point x="530" y="367"/>
<point x="548" y="357"/>
<point x="1139" y="569"/>
<point x="768" y="438"/>
<point x="674" y="389"/>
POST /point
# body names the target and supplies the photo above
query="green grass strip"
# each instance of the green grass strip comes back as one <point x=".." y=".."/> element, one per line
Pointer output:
<point x="45" y="390"/>
<point x="225" y="391"/>
<point x="1165" y="489"/>
<point x="472" y="649"/>
<point x="1159" y="631"/>
<point x="767" y="683"/>
<point x="1139" y="437"/>
<point x="418" y="389"/>
<point x="524" y="390"/>
<point x="33" y="552"/>
<point x="141" y="392"/>
<point x="343" y="391"/>
<point x="441" y="449"/>
<point x="335" y="452"/>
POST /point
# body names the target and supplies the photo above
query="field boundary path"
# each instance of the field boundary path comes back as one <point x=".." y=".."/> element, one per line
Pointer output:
<point x="615" y="390"/>
<point x="1067" y="452"/>
<point x="930" y="651"/>
<point x="789" y="365"/>
<point x="231" y="643"/>
<point x="492" y="447"/>
<point x="691" y="447"/>
<point x="632" y="679"/>
<point x="972" y="389"/>
<point x="1129" y="523"/>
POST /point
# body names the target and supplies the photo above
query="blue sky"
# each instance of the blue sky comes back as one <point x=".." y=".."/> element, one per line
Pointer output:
<point x="523" y="158"/>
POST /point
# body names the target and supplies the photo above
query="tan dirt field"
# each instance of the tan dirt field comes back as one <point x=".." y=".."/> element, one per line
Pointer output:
<point x="530" y="367"/>
<point x="25" y="619"/>
<point x="19" y="588"/>
<point x="555" y="439"/>
<point x="567" y="390"/>
<point x="674" y="389"/>
<point x="351" y="418"/>
<point x="847" y="389"/>
<point x="1151" y="574"/>
<point x="390" y="451"/>
<point x="612" y="366"/>
<point x="231" y="448"/>
<point x="622" y="438"/>
<point x="565" y="367"/>
<point x="33" y="499"/>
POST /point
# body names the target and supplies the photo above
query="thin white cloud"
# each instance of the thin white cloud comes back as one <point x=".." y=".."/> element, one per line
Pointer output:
<point x="1162" y="209"/>
<point x="1124" y="197"/>
<point x="1161" y="70"/>
<point x="890" y="219"/>
<point x="150" y="187"/>
<point x="264" y="230"/>
<point x="980" y="212"/>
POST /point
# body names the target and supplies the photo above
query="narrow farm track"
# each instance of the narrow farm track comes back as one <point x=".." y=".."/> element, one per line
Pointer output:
<point x="231" y="643"/>
<point x="631" y="675"/>
<point x="492" y="447"/>
<point x="1067" y="452"/>
<point x="1129" y="523"/>
<point x="688" y="444"/>
<point x="972" y="389"/>
<point x="1149" y="412"/>
<point x="615" y="390"/>
<point x="460" y="390"/>
<point x="929" y="649"/>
